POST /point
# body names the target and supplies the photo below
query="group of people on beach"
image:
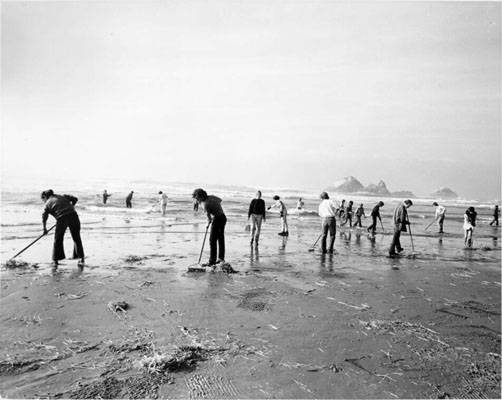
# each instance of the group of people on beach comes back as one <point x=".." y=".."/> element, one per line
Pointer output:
<point x="62" y="208"/>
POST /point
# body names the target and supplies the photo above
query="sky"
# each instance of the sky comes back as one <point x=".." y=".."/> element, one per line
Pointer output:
<point x="293" y="94"/>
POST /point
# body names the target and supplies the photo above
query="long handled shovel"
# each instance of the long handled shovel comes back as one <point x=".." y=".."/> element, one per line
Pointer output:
<point x="36" y="240"/>
<point x="197" y="267"/>
<point x="428" y="226"/>
<point x="411" y="237"/>
<point x="313" y="246"/>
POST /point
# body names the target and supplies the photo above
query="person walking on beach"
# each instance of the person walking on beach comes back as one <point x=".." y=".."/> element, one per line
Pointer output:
<point x="105" y="196"/>
<point x="400" y="222"/>
<point x="327" y="212"/>
<point x="341" y="210"/>
<point x="469" y="224"/>
<point x="283" y="212"/>
<point x="63" y="209"/>
<point x="439" y="216"/>
<point x="359" y="213"/>
<point x="163" y="202"/>
<point x="496" y="213"/>
<point x="129" y="199"/>
<point x="300" y="204"/>
<point x="257" y="214"/>
<point x="375" y="213"/>
<point x="348" y="214"/>
<point x="217" y="219"/>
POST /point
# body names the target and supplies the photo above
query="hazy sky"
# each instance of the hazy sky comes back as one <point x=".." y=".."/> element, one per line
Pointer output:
<point x="258" y="93"/>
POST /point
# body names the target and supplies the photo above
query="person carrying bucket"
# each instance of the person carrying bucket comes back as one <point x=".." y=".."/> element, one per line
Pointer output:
<point x="63" y="209"/>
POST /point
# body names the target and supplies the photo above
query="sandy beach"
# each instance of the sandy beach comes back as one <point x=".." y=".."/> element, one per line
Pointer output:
<point x="289" y="324"/>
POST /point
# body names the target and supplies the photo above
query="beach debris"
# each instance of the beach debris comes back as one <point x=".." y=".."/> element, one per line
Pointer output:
<point x="227" y="268"/>
<point x="146" y="283"/>
<point x="361" y="308"/>
<point x="13" y="264"/>
<point x="185" y="358"/>
<point x="275" y="328"/>
<point x="118" y="306"/>
<point x="76" y="296"/>
<point x="131" y="259"/>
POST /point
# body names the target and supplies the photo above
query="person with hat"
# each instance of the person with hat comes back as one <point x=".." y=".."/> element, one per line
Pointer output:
<point x="63" y="209"/>
<point x="400" y="222"/>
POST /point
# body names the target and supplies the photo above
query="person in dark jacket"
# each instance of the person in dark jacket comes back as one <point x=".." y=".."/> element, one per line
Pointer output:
<point x="63" y="209"/>
<point x="496" y="213"/>
<point x="375" y="213"/>
<point x="400" y="222"/>
<point x="216" y="217"/>
<point x="257" y="214"/>
<point x="359" y="213"/>
<point x="129" y="199"/>
<point x="105" y="196"/>
<point x="348" y="214"/>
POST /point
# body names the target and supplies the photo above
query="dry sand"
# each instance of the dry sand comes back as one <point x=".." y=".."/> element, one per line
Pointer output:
<point x="289" y="324"/>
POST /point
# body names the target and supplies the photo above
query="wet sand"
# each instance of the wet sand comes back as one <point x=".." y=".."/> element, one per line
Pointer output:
<point x="289" y="324"/>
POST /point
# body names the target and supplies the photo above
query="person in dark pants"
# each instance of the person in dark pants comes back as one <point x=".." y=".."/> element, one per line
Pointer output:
<point x="63" y="209"/>
<point x="375" y="213"/>
<point x="327" y="212"/>
<point x="496" y="213"/>
<point x="400" y="222"/>
<point x="257" y="214"/>
<point x="348" y="214"/>
<point x="105" y="196"/>
<point x="359" y="213"/>
<point x="129" y="199"/>
<point x="216" y="217"/>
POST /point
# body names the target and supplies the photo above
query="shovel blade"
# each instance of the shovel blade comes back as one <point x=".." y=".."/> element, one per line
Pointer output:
<point x="196" y="268"/>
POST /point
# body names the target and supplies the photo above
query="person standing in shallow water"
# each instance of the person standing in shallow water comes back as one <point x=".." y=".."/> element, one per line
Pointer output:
<point x="283" y="213"/>
<point x="217" y="219"/>
<point x="469" y="224"/>
<point x="257" y="214"/>
<point x="375" y="213"/>
<point x="496" y="213"/>
<point x="359" y="213"/>
<point x="439" y="216"/>
<point x="105" y="196"/>
<point x="63" y="209"/>
<point x="163" y="202"/>
<point x="400" y="222"/>
<point x="129" y="199"/>
<point x="348" y="214"/>
<point x="327" y="212"/>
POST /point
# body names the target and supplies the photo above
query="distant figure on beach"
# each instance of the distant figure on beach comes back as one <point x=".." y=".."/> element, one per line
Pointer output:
<point x="341" y="210"/>
<point x="359" y="213"/>
<point x="327" y="212"/>
<point x="163" y="202"/>
<point x="400" y="221"/>
<point x="439" y="216"/>
<point x="217" y="218"/>
<point x="105" y="196"/>
<point x="375" y="213"/>
<point x="129" y="199"/>
<point x="283" y="212"/>
<point x="469" y="224"/>
<point x="496" y="213"/>
<point x="300" y="204"/>
<point x="348" y="214"/>
<point x="63" y="209"/>
<point x="257" y="214"/>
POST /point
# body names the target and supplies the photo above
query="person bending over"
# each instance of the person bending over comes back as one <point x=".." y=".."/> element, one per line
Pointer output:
<point x="63" y="209"/>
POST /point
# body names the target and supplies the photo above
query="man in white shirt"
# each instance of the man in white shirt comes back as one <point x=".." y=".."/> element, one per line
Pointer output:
<point x="163" y="203"/>
<point x="439" y="215"/>
<point x="327" y="211"/>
